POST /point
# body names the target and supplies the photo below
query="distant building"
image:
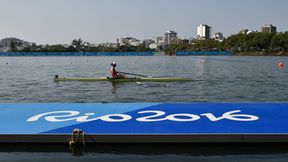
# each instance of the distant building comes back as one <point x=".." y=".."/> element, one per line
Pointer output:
<point x="247" y="31"/>
<point x="128" y="41"/>
<point x="218" y="36"/>
<point x="158" y="40"/>
<point x="269" y="28"/>
<point x="204" y="31"/>
<point x="244" y="31"/>
<point x="148" y="42"/>
<point x="184" y="41"/>
<point x="6" y="43"/>
<point x="169" y="37"/>
<point x="108" y="45"/>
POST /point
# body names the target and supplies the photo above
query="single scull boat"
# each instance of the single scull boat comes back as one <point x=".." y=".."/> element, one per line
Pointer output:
<point x="135" y="79"/>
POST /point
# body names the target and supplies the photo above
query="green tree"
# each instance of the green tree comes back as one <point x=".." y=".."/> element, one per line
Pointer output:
<point x="77" y="44"/>
<point x="141" y="48"/>
<point x="262" y="41"/>
<point x="13" y="46"/>
<point x="280" y="42"/>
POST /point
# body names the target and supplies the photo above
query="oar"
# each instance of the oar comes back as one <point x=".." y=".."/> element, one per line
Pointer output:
<point x="139" y="83"/>
<point x="136" y="74"/>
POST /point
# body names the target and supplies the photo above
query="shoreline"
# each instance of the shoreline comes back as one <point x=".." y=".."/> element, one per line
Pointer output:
<point x="148" y="53"/>
<point x="281" y="53"/>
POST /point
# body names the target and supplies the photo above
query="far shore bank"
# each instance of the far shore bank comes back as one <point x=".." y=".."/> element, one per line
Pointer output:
<point x="281" y="53"/>
<point x="148" y="53"/>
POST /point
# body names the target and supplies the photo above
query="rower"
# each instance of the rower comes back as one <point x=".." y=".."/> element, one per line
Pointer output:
<point x="115" y="74"/>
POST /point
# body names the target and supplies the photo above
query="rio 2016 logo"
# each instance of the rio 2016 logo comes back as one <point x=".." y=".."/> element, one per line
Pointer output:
<point x="147" y="116"/>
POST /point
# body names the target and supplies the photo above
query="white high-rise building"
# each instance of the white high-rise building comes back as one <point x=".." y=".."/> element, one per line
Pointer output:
<point x="169" y="37"/>
<point x="204" y="31"/>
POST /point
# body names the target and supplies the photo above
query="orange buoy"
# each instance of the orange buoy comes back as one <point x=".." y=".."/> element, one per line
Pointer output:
<point x="280" y="65"/>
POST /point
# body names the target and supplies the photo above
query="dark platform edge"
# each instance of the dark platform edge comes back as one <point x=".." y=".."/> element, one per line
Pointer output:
<point x="153" y="138"/>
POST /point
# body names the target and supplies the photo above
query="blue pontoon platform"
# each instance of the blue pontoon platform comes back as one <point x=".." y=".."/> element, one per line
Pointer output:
<point x="145" y="122"/>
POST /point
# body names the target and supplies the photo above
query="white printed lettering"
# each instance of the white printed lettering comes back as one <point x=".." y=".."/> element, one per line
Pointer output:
<point x="153" y="116"/>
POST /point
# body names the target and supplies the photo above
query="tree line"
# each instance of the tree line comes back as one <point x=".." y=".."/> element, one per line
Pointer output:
<point x="255" y="43"/>
<point x="78" y="45"/>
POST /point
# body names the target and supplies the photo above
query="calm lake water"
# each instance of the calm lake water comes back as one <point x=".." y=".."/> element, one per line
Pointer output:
<point x="215" y="79"/>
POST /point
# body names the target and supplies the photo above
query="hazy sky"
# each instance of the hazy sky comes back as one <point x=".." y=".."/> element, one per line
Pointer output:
<point x="60" y="21"/>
